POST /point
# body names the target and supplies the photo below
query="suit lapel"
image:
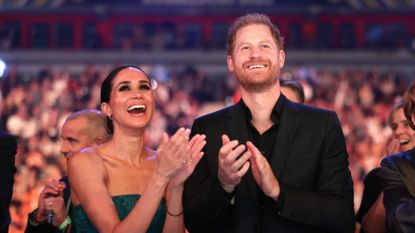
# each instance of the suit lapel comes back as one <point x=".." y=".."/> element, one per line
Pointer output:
<point x="236" y="124"/>
<point x="237" y="130"/>
<point x="286" y="130"/>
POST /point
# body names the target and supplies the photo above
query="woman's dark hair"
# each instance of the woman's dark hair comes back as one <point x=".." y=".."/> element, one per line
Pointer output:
<point x="409" y="104"/>
<point x="106" y="88"/>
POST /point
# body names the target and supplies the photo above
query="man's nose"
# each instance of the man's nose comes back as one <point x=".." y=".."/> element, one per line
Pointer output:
<point x="65" y="148"/>
<point x="254" y="53"/>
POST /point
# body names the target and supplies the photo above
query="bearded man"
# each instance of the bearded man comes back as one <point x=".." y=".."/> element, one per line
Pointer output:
<point x="269" y="165"/>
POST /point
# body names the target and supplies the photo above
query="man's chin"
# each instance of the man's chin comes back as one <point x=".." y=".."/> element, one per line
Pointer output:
<point x="257" y="86"/>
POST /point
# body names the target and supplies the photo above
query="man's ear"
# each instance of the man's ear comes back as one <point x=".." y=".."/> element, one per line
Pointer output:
<point x="98" y="141"/>
<point x="229" y="61"/>
<point x="281" y="56"/>
<point x="106" y="109"/>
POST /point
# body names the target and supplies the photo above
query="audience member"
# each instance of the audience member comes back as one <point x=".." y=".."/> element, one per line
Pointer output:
<point x="8" y="146"/>
<point x="292" y="90"/>
<point x="123" y="186"/>
<point x="271" y="165"/>
<point x="85" y="128"/>
<point x="371" y="213"/>
<point x="397" y="174"/>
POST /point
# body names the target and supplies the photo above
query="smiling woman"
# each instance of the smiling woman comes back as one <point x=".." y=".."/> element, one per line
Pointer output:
<point x="122" y="186"/>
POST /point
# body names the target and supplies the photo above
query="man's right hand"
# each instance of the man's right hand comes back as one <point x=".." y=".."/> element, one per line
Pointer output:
<point x="51" y="198"/>
<point x="233" y="163"/>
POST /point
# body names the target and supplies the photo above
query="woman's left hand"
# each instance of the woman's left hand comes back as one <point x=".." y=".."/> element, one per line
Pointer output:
<point x="195" y="153"/>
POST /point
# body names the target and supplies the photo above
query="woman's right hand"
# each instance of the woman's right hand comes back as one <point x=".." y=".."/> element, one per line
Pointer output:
<point x="392" y="147"/>
<point x="172" y="153"/>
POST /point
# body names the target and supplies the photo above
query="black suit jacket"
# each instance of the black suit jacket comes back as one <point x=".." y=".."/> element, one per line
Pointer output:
<point x="397" y="175"/>
<point x="309" y="160"/>
<point x="8" y="146"/>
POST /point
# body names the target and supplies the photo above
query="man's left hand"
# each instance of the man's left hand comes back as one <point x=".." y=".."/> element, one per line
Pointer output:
<point x="262" y="172"/>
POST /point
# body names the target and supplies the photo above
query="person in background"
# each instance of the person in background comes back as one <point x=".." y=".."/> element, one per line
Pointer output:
<point x="123" y="186"/>
<point x="397" y="174"/>
<point x="292" y="90"/>
<point x="85" y="128"/>
<point x="270" y="165"/>
<point x="8" y="147"/>
<point x="371" y="214"/>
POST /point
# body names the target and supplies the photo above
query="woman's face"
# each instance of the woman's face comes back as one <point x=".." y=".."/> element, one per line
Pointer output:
<point x="131" y="102"/>
<point x="402" y="131"/>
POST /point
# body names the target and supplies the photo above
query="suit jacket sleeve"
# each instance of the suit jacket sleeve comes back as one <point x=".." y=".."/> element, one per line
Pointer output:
<point x="329" y="205"/>
<point x="399" y="203"/>
<point x="8" y="145"/>
<point x="204" y="199"/>
<point x="41" y="228"/>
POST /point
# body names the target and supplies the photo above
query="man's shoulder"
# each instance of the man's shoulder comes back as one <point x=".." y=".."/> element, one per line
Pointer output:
<point x="310" y="113"/>
<point x="8" y="143"/>
<point x="311" y="109"/>
<point x="217" y="115"/>
<point x="6" y="138"/>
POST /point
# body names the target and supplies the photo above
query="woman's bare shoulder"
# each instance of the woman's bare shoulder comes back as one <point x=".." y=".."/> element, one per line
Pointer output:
<point x="85" y="155"/>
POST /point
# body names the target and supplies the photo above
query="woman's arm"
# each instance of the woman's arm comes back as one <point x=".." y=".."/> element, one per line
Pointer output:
<point x="88" y="181"/>
<point x="174" y="194"/>
<point x="87" y="176"/>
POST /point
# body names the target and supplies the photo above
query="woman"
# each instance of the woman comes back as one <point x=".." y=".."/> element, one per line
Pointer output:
<point x="397" y="174"/>
<point x="371" y="213"/>
<point x="403" y="138"/>
<point x="122" y="186"/>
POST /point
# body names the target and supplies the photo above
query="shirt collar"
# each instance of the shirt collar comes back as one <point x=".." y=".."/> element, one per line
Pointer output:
<point x="275" y="114"/>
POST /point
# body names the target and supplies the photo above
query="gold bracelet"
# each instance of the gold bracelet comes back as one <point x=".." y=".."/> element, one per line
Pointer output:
<point x="174" y="215"/>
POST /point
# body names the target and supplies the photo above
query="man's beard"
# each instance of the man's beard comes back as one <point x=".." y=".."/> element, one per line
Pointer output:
<point x="259" y="82"/>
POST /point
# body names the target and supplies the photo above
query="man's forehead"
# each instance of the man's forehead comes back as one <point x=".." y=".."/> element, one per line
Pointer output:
<point x="74" y="126"/>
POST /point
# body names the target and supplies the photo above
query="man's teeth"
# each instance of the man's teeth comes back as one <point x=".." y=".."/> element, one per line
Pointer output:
<point x="255" y="66"/>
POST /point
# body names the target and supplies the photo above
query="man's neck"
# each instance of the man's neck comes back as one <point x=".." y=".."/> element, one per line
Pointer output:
<point x="261" y="106"/>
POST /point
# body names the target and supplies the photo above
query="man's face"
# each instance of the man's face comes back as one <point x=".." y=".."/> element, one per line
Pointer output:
<point x="256" y="60"/>
<point x="75" y="136"/>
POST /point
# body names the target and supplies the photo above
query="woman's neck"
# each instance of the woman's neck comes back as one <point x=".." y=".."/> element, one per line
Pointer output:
<point x="129" y="146"/>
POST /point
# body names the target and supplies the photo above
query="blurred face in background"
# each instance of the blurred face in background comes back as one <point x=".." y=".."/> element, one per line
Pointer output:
<point x="401" y="130"/>
<point x="290" y="94"/>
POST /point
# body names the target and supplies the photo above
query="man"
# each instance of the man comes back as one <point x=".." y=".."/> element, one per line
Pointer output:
<point x="270" y="165"/>
<point x="81" y="129"/>
<point x="8" y="145"/>
<point x="292" y="90"/>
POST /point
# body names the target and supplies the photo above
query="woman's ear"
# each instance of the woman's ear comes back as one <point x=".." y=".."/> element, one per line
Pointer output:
<point x="106" y="109"/>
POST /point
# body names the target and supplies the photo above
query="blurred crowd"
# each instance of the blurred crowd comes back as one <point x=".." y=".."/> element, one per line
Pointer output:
<point x="33" y="106"/>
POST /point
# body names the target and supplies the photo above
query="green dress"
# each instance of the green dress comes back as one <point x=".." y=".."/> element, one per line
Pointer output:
<point x="123" y="204"/>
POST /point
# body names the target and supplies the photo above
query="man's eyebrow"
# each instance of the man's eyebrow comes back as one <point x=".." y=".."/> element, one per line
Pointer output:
<point x="71" y="139"/>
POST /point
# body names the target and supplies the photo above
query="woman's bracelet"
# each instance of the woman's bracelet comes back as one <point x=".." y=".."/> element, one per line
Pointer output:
<point x="175" y="215"/>
<point x="65" y="223"/>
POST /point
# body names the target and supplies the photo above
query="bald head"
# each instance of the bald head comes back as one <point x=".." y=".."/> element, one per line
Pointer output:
<point x="85" y="128"/>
